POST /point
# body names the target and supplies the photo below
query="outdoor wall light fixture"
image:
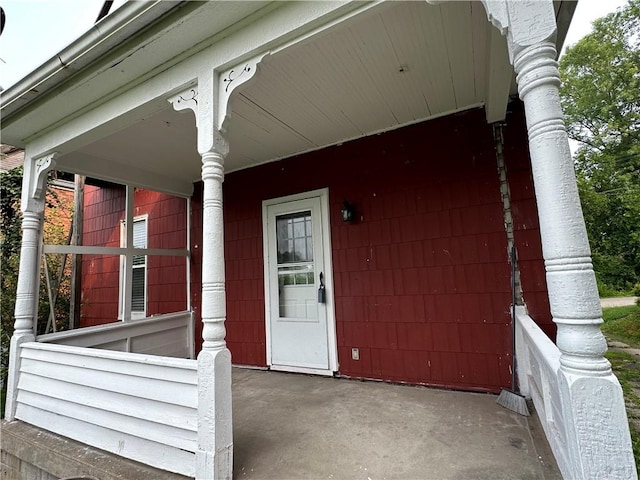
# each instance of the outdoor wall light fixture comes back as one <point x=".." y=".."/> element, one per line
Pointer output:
<point x="348" y="212"/>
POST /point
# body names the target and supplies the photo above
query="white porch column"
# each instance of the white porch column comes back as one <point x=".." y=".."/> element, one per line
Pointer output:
<point x="215" y="435"/>
<point x="214" y="457"/>
<point x="598" y="440"/>
<point x="208" y="99"/>
<point x="34" y="186"/>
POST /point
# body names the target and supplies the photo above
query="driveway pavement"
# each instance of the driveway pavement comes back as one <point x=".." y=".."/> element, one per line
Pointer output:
<point x="617" y="301"/>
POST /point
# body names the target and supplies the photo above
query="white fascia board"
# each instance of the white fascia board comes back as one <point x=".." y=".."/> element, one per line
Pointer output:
<point x="134" y="101"/>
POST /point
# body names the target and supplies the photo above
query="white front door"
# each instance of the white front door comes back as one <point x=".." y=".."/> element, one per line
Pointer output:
<point x="296" y="269"/>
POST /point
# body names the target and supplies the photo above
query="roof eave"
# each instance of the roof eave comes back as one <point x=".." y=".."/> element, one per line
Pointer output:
<point x="125" y="22"/>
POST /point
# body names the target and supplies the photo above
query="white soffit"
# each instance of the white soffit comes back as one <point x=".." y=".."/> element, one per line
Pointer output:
<point x="406" y="62"/>
<point x="396" y="64"/>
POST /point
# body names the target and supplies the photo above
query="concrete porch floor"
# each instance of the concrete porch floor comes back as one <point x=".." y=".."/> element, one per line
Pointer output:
<point x="291" y="426"/>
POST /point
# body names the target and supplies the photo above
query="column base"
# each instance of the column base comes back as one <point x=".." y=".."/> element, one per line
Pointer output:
<point x="214" y="457"/>
<point x="597" y="432"/>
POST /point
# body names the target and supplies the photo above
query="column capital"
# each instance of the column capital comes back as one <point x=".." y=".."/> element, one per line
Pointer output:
<point x="219" y="147"/>
<point x="523" y="22"/>
<point x="208" y="97"/>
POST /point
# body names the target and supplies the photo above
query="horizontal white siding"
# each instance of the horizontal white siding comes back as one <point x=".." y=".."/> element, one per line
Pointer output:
<point x="170" y="335"/>
<point x="142" y="407"/>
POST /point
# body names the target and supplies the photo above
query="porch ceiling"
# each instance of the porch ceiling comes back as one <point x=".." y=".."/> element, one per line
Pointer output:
<point x="396" y="64"/>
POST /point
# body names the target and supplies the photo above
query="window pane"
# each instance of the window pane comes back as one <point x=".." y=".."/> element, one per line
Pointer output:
<point x="298" y="228"/>
<point x="140" y="234"/>
<point x="137" y="293"/>
<point x="300" y="250"/>
<point x="293" y="236"/>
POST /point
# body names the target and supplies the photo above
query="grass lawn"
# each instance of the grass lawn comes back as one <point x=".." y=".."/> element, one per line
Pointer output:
<point x="623" y="324"/>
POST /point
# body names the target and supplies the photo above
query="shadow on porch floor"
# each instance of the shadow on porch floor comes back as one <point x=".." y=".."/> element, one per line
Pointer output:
<point x="289" y="426"/>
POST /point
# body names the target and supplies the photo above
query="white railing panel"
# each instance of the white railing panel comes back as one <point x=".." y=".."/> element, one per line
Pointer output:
<point x="143" y="367"/>
<point x="142" y="407"/>
<point x="169" y="335"/>
<point x="538" y="361"/>
<point x="163" y="343"/>
<point x="150" y="453"/>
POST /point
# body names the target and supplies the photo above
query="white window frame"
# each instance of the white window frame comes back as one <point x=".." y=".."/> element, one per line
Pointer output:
<point x="135" y="315"/>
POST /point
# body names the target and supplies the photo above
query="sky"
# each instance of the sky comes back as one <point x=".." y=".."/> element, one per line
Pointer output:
<point x="36" y="30"/>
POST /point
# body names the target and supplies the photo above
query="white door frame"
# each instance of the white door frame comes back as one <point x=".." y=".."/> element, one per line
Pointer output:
<point x="332" y="343"/>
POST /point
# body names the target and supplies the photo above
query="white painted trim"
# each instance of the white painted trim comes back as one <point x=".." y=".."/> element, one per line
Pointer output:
<point x="36" y="296"/>
<point x="332" y="344"/>
<point x="179" y="326"/>
<point x="292" y="369"/>
<point x="126" y="272"/>
<point x="80" y="250"/>
<point x="188" y="260"/>
<point x="126" y="265"/>
<point x="122" y="23"/>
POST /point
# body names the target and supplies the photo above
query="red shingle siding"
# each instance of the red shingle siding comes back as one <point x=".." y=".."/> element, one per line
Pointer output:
<point x="103" y="210"/>
<point x="166" y="276"/>
<point x="422" y="282"/>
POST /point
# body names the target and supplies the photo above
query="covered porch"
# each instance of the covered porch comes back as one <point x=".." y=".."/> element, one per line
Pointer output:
<point x="174" y="97"/>
<point x="305" y="427"/>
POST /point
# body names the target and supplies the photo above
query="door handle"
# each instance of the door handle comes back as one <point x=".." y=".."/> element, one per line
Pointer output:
<point x="322" y="294"/>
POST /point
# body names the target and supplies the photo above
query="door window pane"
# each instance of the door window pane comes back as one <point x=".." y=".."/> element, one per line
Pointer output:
<point x="296" y="277"/>
<point x="295" y="241"/>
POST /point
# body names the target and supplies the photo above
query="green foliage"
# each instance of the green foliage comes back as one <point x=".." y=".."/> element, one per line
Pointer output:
<point x="601" y="99"/>
<point x="10" y="221"/>
<point x="55" y="232"/>
<point x="625" y="367"/>
<point x="623" y="324"/>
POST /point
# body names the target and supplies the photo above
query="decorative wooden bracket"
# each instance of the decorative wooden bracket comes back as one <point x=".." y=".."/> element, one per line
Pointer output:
<point x="36" y="170"/>
<point x="231" y="79"/>
<point x="43" y="166"/>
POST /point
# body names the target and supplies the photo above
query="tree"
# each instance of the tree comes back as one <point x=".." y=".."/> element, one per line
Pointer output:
<point x="57" y="219"/>
<point x="600" y="96"/>
<point x="10" y="219"/>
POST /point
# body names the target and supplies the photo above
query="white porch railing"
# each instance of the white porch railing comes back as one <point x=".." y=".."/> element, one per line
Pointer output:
<point x="583" y="416"/>
<point x="538" y="361"/>
<point x="142" y="407"/>
<point x="170" y="335"/>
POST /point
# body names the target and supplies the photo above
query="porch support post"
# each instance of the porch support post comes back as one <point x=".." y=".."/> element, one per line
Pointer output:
<point x="34" y="186"/>
<point x="214" y="457"/>
<point x="594" y="417"/>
